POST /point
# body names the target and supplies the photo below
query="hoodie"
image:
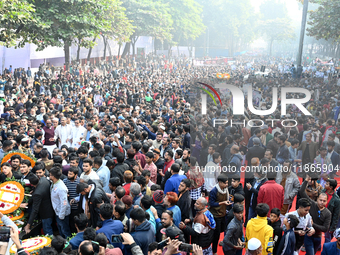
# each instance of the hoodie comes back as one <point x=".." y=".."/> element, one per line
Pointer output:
<point x="216" y="196"/>
<point x="235" y="163"/>
<point x="144" y="235"/>
<point x="258" y="227"/>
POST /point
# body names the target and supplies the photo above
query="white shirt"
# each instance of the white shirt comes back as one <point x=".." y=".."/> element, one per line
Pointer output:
<point x="64" y="133"/>
<point x="92" y="175"/>
<point x="77" y="134"/>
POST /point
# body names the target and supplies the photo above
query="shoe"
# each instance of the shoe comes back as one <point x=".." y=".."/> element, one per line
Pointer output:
<point x="220" y="243"/>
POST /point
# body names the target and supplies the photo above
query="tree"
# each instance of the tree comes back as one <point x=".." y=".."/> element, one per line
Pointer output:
<point x="187" y="20"/>
<point x="232" y="24"/>
<point x="72" y="21"/>
<point x="17" y="19"/>
<point x="324" y="22"/>
<point x="149" y="18"/>
<point x="273" y="9"/>
<point x="121" y="27"/>
<point x="277" y="30"/>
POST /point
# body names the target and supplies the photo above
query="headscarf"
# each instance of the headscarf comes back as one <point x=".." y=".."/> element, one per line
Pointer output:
<point x="337" y="233"/>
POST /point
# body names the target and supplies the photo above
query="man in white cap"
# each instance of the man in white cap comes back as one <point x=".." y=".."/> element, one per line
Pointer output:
<point x="254" y="247"/>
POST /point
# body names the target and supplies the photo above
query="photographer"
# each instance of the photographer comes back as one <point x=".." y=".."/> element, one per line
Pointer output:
<point x="14" y="237"/>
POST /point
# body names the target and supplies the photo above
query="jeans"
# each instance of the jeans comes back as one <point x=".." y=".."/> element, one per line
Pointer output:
<point x="220" y="227"/>
<point x="47" y="226"/>
<point x="64" y="227"/>
<point x="252" y="213"/>
<point x="312" y="244"/>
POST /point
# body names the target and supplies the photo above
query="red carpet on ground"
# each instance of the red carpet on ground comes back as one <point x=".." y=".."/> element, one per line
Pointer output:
<point x="220" y="251"/>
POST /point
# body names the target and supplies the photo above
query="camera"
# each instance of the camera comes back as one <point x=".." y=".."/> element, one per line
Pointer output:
<point x="5" y="234"/>
<point x="183" y="247"/>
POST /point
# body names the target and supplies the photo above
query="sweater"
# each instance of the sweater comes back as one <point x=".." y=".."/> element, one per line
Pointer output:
<point x="216" y="196"/>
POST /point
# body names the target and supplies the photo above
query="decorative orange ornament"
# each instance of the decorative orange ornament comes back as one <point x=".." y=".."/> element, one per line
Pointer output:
<point x="20" y="216"/>
<point x="219" y="76"/>
<point x="32" y="244"/>
<point x="226" y="76"/>
<point x="11" y="195"/>
<point x="22" y="155"/>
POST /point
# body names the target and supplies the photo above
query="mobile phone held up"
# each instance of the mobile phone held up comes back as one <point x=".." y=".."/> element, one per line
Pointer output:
<point x="116" y="239"/>
<point x="183" y="247"/>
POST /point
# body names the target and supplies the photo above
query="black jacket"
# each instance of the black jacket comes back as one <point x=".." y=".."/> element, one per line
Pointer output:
<point x="41" y="201"/>
<point x="184" y="203"/>
<point x="255" y="152"/>
<point x="234" y="232"/>
<point x="119" y="170"/>
<point x="277" y="234"/>
<point x="256" y="192"/>
<point x="203" y="157"/>
<point x="98" y="196"/>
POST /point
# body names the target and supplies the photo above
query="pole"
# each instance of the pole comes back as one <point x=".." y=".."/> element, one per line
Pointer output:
<point x="302" y="33"/>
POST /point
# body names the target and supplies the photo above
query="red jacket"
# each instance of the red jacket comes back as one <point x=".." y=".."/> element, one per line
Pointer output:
<point x="272" y="194"/>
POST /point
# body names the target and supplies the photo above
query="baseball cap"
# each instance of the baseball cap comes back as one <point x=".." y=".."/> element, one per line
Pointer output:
<point x="157" y="151"/>
<point x="264" y="127"/>
<point x="158" y="196"/>
<point x="172" y="232"/>
<point x="254" y="244"/>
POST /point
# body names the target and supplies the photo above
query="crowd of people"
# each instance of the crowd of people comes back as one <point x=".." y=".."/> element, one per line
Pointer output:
<point x="124" y="158"/>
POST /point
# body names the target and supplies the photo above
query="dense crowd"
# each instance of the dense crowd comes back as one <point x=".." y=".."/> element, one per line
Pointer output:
<point x="126" y="163"/>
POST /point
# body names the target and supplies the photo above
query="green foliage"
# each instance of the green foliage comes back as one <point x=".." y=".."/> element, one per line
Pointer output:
<point x="16" y="18"/>
<point x="229" y="23"/>
<point x="278" y="29"/>
<point x="149" y="18"/>
<point x="187" y="20"/>
<point x="273" y="9"/>
<point x="324" y="22"/>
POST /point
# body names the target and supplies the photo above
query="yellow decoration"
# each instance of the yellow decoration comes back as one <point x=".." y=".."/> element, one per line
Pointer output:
<point x="32" y="244"/>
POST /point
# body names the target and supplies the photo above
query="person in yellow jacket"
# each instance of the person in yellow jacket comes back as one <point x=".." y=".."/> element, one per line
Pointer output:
<point x="258" y="227"/>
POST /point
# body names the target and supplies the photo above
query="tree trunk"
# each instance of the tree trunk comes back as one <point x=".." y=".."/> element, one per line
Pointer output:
<point x="67" y="54"/>
<point x="78" y="50"/>
<point x="270" y="49"/>
<point x="126" y="49"/>
<point x="311" y="51"/>
<point x="133" y="49"/>
<point x="105" y="44"/>
<point x="90" y="51"/>
<point x="110" y="53"/>
<point x="119" y="46"/>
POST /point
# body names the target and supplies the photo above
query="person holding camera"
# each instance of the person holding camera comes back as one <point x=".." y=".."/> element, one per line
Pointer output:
<point x="11" y="237"/>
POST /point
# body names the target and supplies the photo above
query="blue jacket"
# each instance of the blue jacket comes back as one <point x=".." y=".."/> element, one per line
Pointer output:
<point x="287" y="243"/>
<point x="152" y="136"/>
<point x="76" y="240"/>
<point x="282" y="154"/>
<point x="330" y="249"/>
<point x="143" y="236"/>
<point x="177" y="214"/>
<point x="173" y="182"/>
<point x="335" y="158"/>
<point x="186" y="141"/>
<point x="112" y="227"/>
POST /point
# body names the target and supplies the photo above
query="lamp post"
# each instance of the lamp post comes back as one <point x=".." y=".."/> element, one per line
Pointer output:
<point x="302" y="33"/>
